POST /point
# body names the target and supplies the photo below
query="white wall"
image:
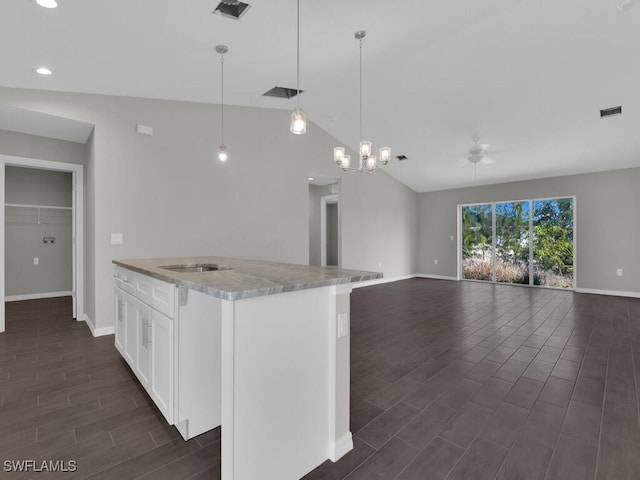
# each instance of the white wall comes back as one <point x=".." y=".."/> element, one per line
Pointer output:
<point x="607" y="224"/>
<point x="23" y="235"/>
<point x="169" y="195"/>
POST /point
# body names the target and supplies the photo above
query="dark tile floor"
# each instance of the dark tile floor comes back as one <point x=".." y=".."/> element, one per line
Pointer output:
<point x="454" y="380"/>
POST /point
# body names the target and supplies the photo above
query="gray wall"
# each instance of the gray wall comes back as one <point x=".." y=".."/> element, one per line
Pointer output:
<point x="607" y="224"/>
<point x="23" y="241"/>
<point x="169" y="195"/>
<point x="32" y="146"/>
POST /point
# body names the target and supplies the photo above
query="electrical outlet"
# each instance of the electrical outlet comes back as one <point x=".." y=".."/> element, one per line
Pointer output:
<point x="36" y="261"/>
<point x="435" y="261"/>
<point x="379" y="264"/>
<point x="619" y="272"/>
<point x="452" y="238"/>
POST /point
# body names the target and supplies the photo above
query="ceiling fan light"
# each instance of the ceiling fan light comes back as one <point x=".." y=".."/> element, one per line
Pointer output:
<point x="298" y="121"/>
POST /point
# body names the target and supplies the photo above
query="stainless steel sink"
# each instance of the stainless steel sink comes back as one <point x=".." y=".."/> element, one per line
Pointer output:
<point x="195" y="267"/>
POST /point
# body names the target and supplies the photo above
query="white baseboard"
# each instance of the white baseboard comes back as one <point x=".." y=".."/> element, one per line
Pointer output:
<point x="615" y="293"/>
<point x="340" y="448"/>
<point x="96" y="332"/>
<point x="36" y="296"/>
<point x="378" y="281"/>
<point x="435" y="277"/>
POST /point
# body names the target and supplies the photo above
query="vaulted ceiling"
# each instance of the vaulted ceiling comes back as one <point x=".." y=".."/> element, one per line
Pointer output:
<point x="528" y="77"/>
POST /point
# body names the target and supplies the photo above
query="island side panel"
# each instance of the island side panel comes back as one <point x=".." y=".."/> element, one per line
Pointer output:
<point x="198" y="357"/>
<point x="278" y="378"/>
<point x="341" y="441"/>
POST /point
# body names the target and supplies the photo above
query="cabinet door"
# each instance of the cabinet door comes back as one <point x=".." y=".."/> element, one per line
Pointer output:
<point x="131" y="333"/>
<point x="161" y="334"/>
<point x="120" y="320"/>
<point x="143" y="350"/>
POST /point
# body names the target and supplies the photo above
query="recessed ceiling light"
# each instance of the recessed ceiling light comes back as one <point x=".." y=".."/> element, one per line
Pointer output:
<point x="47" y="3"/>
<point x="311" y="179"/>
<point x="44" y="71"/>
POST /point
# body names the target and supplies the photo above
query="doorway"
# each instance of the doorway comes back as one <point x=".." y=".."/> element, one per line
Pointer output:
<point x="74" y="215"/>
<point x="329" y="231"/>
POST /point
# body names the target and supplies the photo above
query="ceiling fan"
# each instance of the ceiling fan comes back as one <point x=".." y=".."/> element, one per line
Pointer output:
<point x="477" y="155"/>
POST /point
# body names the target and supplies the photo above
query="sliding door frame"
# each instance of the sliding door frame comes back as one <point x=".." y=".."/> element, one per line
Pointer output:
<point x="531" y="201"/>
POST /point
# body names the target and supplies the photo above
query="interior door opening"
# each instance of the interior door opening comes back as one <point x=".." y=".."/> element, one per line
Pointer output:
<point x="54" y="221"/>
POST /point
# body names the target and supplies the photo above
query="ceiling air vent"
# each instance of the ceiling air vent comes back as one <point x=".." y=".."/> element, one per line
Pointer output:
<point x="607" y="112"/>
<point x="231" y="9"/>
<point x="282" y="92"/>
<point x="402" y="157"/>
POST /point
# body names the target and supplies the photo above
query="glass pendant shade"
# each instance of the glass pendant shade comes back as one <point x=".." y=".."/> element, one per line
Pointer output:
<point x="346" y="159"/>
<point x="365" y="149"/>
<point x="371" y="163"/>
<point x="298" y="122"/>
<point x="222" y="154"/>
<point x="338" y="155"/>
<point x="385" y="155"/>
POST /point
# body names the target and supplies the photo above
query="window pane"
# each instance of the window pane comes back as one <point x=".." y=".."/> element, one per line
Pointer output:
<point x="512" y="242"/>
<point x="553" y="242"/>
<point x="476" y="242"/>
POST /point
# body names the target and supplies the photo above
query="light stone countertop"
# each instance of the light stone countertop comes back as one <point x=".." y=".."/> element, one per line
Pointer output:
<point x="245" y="278"/>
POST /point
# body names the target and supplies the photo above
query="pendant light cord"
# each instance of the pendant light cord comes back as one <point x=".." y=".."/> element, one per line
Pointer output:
<point x="222" y="97"/>
<point x="298" y="57"/>
<point x="361" y="89"/>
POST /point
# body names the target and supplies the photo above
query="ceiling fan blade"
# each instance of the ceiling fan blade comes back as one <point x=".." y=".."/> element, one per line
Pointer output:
<point x="462" y="162"/>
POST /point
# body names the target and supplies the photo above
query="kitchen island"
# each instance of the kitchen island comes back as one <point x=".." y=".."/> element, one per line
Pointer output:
<point x="260" y="348"/>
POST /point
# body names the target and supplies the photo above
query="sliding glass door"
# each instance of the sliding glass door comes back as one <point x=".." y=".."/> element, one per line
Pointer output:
<point x="527" y="242"/>
<point x="512" y="242"/>
<point x="553" y="242"/>
<point x="477" y="244"/>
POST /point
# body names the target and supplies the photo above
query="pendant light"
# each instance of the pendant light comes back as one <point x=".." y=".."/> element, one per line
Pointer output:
<point x="222" y="152"/>
<point x="298" y="117"/>
<point x="367" y="162"/>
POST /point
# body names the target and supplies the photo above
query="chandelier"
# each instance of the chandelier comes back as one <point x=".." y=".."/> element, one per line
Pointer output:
<point x="367" y="162"/>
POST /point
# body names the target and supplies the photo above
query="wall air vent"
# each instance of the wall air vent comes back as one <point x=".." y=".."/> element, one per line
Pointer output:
<point x="607" y="112"/>
<point x="402" y="157"/>
<point x="282" y="92"/>
<point x="232" y="9"/>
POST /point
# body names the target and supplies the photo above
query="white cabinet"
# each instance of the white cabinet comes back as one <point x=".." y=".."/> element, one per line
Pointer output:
<point x="161" y="339"/>
<point x="143" y="348"/>
<point x="120" y="319"/>
<point x="144" y="331"/>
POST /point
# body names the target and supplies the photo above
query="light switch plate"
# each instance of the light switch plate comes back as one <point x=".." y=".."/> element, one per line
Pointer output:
<point x="117" y="239"/>
<point x="343" y="325"/>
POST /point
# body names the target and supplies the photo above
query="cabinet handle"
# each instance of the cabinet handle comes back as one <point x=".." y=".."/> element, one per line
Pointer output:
<point x="146" y="326"/>
<point x="149" y="327"/>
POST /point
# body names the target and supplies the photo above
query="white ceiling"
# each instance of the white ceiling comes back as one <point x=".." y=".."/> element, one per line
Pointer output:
<point x="529" y="77"/>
